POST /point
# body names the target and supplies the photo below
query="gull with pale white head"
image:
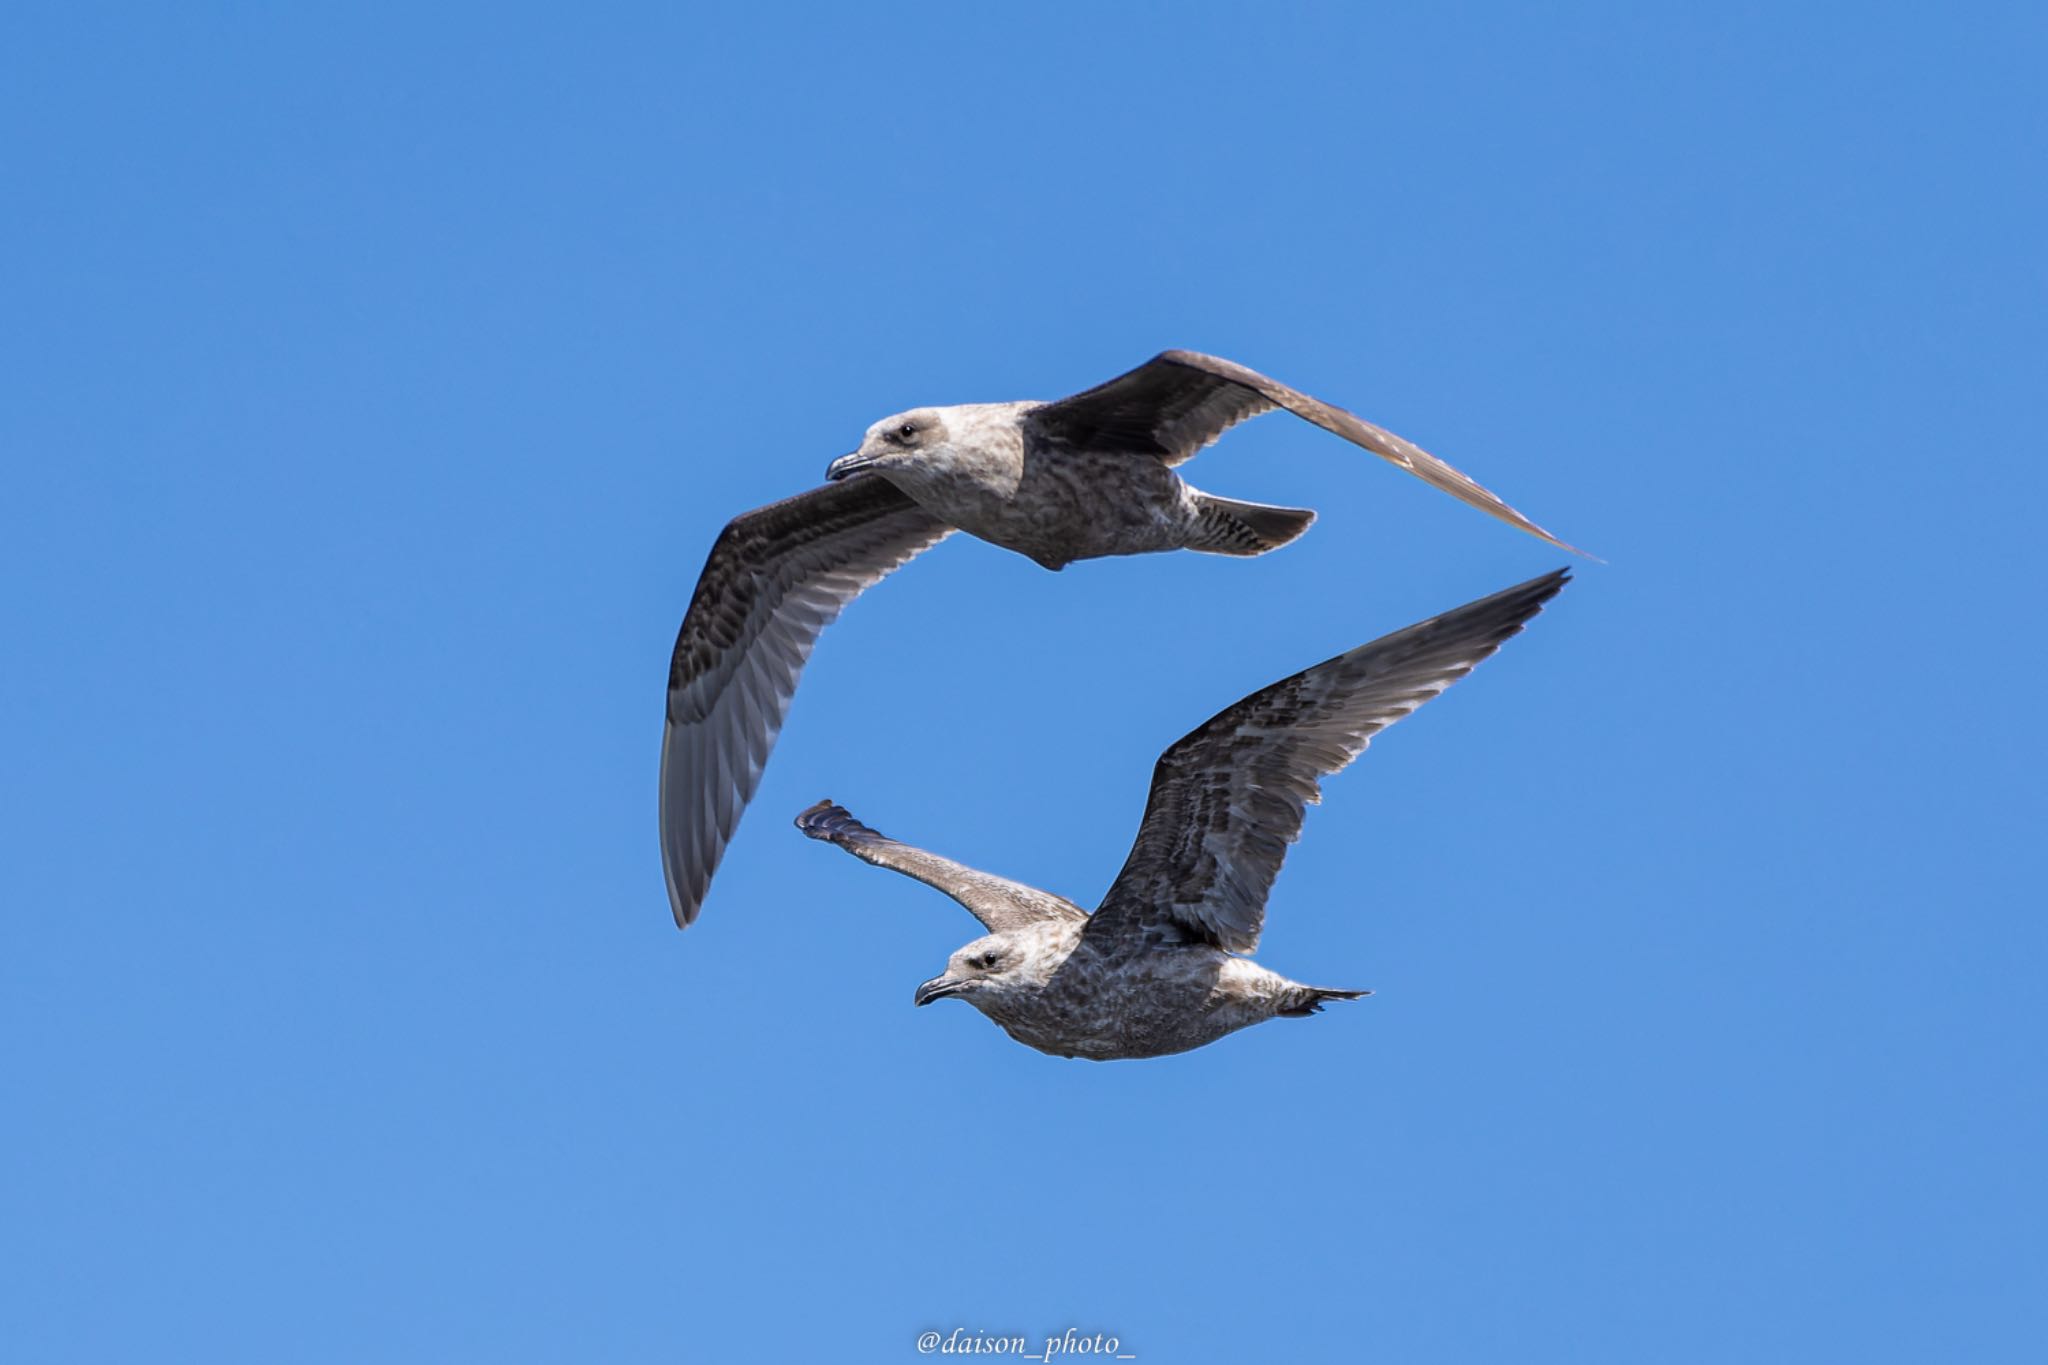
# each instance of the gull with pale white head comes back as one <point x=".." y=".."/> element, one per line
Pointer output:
<point x="1078" y="478"/>
<point x="1157" y="968"/>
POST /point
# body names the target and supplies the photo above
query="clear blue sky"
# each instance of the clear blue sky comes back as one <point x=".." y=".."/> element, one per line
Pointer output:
<point x="374" y="383"/>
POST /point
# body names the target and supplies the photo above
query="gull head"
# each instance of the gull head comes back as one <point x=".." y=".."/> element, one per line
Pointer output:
<point x="983" y="972"/>
<point x="906" y="438"/>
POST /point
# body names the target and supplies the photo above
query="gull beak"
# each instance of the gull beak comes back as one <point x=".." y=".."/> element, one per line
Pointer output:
<point x="938" y="988"/>
<point x="846" y="466"/>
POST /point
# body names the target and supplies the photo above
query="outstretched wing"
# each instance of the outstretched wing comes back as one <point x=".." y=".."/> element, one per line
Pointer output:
<point x="1179" y="401"/>
<point x="1228" y="798"/>
<point x="997" y="902"/>
<point x="776" y="577"/>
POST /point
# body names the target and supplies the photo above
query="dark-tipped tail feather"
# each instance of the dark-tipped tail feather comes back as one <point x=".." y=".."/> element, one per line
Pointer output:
<point x="1309" y="1000"/>
<point x="1224" y="526"/>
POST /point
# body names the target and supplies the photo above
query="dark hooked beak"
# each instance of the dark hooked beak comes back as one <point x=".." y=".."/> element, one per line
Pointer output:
<point x="846" y="466"/>
<point x="938" y="988"/>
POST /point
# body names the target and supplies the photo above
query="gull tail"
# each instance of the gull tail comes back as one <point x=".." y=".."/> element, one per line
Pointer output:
<point x="1224" y="526"/>
<point x="1307" y="1000"/>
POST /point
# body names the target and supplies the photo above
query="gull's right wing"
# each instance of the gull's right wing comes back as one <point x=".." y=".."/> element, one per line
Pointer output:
<point x="997" y="902"/>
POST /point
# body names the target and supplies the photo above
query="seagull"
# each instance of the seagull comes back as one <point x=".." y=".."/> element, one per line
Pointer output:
<point x="1163" y="964"/>
<point x="1078" y="478"/>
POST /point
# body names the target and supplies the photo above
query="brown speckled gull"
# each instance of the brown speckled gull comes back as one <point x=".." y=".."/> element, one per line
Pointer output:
<point x="1156" y="969"/>
<point x="1078" y="478"/>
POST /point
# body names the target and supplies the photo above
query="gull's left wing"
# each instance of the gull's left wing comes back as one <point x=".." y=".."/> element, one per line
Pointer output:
<point x="1228" y="798"/>
<point x="1179" y="401"/>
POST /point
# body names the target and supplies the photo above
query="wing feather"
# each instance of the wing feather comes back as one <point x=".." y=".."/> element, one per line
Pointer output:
<point x="1228" y="798"/>
<point x="776" y="577"/>
<point x="1180" y="401"/>
<point x="999" y="903"/>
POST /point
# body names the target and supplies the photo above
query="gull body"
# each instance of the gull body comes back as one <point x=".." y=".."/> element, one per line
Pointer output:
<point x="975" y="467"/>
<point x="1052" y="988"/>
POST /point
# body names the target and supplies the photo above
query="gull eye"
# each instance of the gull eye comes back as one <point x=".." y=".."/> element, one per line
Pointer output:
<point x="905" y="432"/>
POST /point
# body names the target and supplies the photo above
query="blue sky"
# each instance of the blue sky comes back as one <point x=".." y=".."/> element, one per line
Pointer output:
<point x="376" y="381"/>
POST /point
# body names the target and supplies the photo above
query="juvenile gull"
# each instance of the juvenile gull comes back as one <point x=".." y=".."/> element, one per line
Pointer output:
<point x="1155" y="969"/>
<point x="1078" y="478"/>
<point x="1091" y="475"/>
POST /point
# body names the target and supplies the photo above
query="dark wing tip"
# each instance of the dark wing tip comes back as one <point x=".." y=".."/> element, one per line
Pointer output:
<point x="1543" y="587"/>
<point x="1526" y="599"/>
<point x="686" y="904"/>
<point x="830" y="821"/>
<point x="1502" y="615"/>
<point x="817" y="819"/>
<point x="688" y="880"/>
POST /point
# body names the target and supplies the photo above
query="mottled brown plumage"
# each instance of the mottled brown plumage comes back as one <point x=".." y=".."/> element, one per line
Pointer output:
<point x="1080" y="478"/>
<point x="1155" y="969"/>
<point x="775" y="578"/>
